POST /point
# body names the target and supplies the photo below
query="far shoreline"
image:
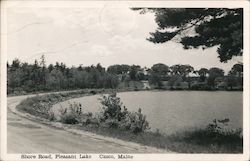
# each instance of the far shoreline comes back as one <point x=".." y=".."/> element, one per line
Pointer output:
<point x="116" y="90"/>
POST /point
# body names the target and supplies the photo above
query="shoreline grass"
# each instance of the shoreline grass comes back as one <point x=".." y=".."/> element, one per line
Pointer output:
<point x="121" y="89"/>
<point x="195" y="141"/>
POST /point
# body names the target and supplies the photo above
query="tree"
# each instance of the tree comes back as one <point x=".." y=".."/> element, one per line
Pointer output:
<point x="231" y="81"/>
<point x="55" y="79"/>
<point x="236" y="74"/>
<point x="202" y="73"/>
<point x="134" y="69"/>
<point x="51" y="67"/>
<point x="157" y="74"/>
<point x="122" y="70"/>
<point x="185" y="70"/>
<point x="213" y="74"/>
<point x="160" y="69"/>
<point x="175" y="69"/>
<point x="42" y="73"/>
<point x="237" y="70"/>
<point x="182" y="70"/>
<point x="155" y="79"/>
<point x="42" y="61"/>
<point x="15" y="64"/>
<point x="222" y="27"/>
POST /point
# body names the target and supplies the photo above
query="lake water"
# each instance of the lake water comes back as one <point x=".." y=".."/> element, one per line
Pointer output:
<point x="173" y="111"/>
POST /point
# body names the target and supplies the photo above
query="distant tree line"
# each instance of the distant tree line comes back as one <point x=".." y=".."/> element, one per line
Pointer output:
<point x="202" y="79"/>
<point x="25" y="77"/>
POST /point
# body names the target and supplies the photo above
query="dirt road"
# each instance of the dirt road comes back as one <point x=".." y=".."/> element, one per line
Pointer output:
<point x="27" y="136"/>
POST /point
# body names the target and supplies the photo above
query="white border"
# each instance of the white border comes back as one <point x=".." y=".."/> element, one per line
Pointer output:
<point x="168" y="4"/>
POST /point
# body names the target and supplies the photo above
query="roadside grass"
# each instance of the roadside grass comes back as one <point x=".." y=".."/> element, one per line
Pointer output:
<point x="40" y="105"/>
<point x="212" y="139"/>
<point x="196" y="141"/>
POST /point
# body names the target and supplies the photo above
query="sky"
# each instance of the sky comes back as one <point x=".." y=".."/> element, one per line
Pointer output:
<point x="106" y="35"/>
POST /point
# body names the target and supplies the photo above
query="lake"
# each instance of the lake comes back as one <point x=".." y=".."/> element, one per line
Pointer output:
<point x="174" y="111"/>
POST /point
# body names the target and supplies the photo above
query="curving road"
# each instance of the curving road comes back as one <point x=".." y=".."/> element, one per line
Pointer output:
<point x="27" y="136"/>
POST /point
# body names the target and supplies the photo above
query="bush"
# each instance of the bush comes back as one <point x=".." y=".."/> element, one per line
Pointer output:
<point x="69" y="118"/>
<point x="19" y="91"/>
<point x="201" y="86"/>
<point x="138" y="122"/>
<point x="73" y="115"/>
<point x="111" y="107"/>
<point x="216" y="133"/>
<point x="114" y="116"/>
<point x="38" y="106"/>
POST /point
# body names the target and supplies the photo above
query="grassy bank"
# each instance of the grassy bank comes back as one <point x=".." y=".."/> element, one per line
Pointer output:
<point x="211" y="139"/>
<point x="197" y="141"/>
<point x="40" y="105"/>
<point x="129" y="86"/>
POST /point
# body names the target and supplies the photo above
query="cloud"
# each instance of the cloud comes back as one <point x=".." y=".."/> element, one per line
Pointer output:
<point x="117" y="21"/>
<point x="123" y="42"/>
<point x="91" y="35"/>
<point x="100" y="50"/>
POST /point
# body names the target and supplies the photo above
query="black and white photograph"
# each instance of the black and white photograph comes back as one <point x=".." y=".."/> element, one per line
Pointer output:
<point x="110" y="80"/>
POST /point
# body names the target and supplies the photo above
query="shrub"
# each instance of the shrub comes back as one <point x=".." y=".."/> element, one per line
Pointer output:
<point x="73" y="115"/>
<point x="111" y="107"/>
<point x="201" y="86"/>
<point x="38" y="106"/>
<point x="218" y="131"/>
<point x="92" y="92"/>
<point x="113" y="116"/>
<point x="138" y="122"/>
<point x="217" y="134"/>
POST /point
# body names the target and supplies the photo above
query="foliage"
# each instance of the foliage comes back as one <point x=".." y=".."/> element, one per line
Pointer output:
<point x="25" y="78"/>
<point x="38" y="77"/>
<point x="41" y="105"/>
<point x="218" y="133"/>
<point x="134" y="72"/>
<point x="114" y="115"/>
<point x="155" y="79"/>
<point x="160" y="68"/>
<point x="222" y="27"/>
<point x="193" y="141"/>
<point x="38" y="106"/>
<point x="112" y="107"/>
<point x="72" y="114"/>
<point x="118" y="69"/>
<point x="213" y="74"/>
<point x="232" y="81"/>
<point x="158" y="73"/>
<point x="201" y="86"/>
<point x="174" y="80"/>
<point x="182" y="70"/>
<point x="237" y="70"/>
<point x="203" y="74"/>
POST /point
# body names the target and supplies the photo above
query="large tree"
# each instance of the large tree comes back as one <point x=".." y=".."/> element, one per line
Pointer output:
<point x="160" y="68"/>
<point x="213" y="74"/>
<point x="203" y="74"/>
<point x="158" y="73"/>
<point x="205" y="27"/>
<point x="237" y="70"/>
<point x="118" y="69"/>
